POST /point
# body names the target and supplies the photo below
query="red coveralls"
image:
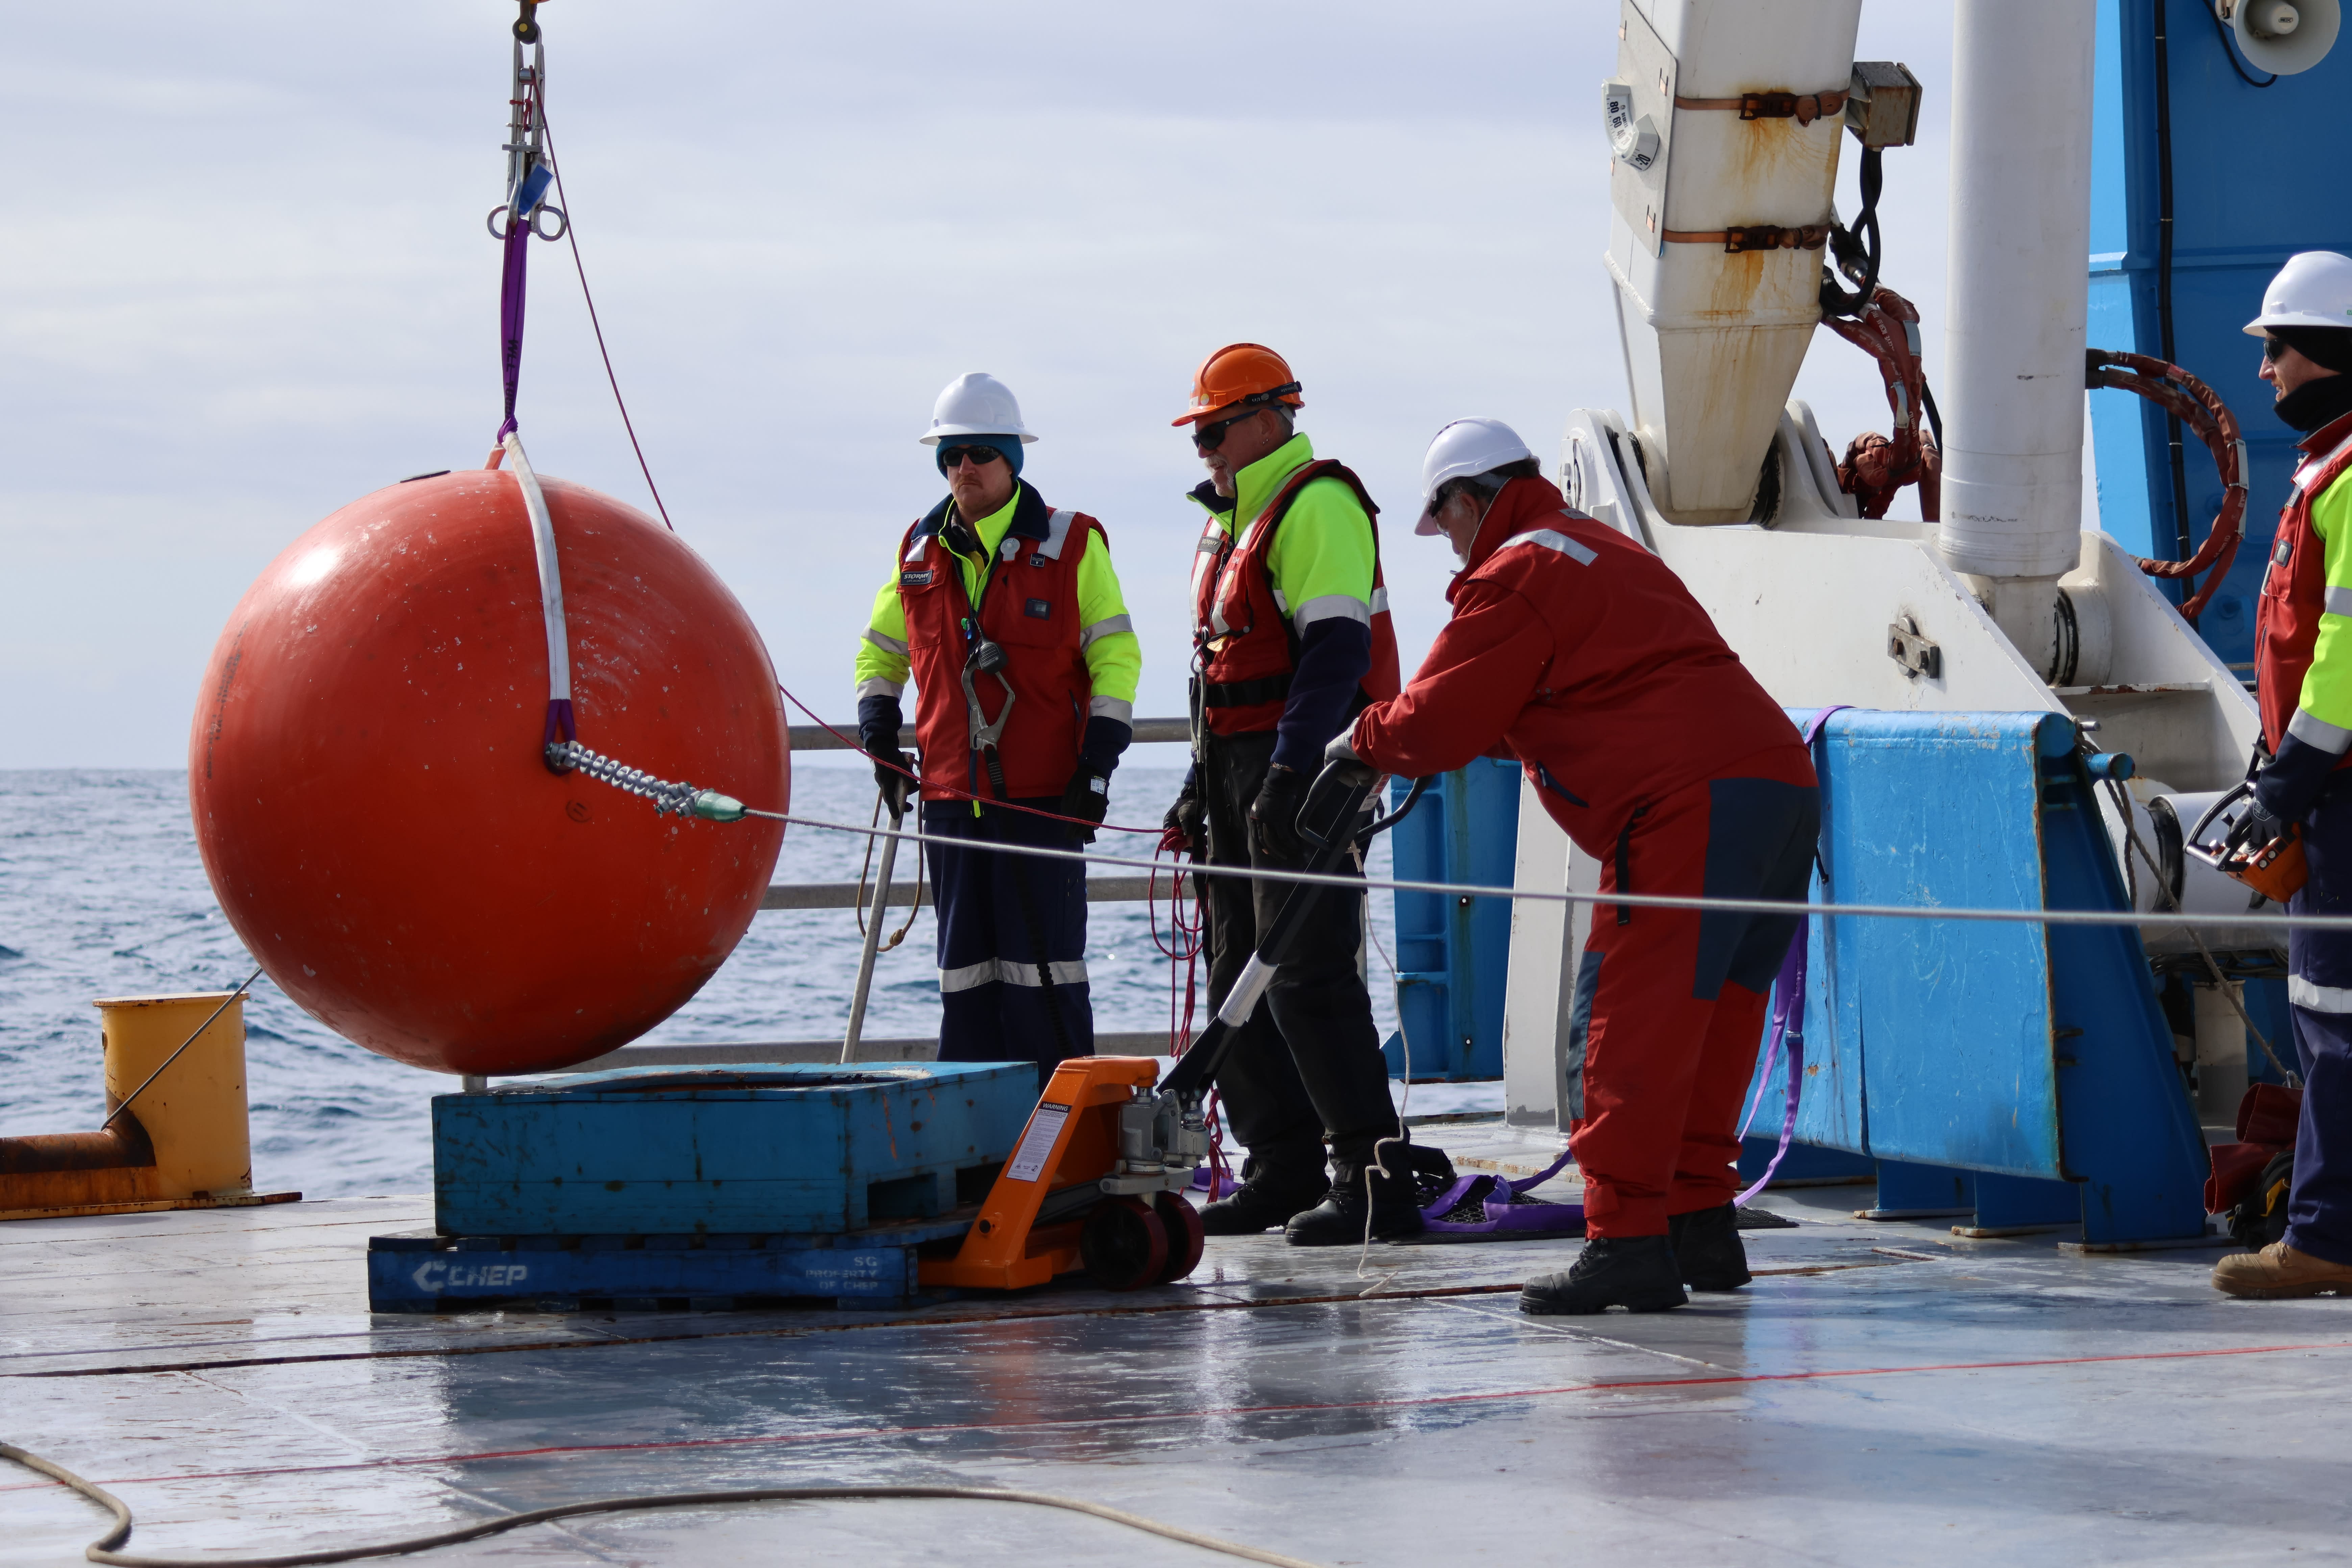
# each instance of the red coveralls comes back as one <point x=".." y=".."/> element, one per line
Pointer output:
<point x="1577" y="652"/>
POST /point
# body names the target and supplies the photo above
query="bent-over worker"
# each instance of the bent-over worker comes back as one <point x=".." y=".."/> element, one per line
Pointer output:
<point x="1291" y="637"/>
<point x="1577" y="652"/>
<point x="1006" y="615"/>
<point x="2303" y="674"/>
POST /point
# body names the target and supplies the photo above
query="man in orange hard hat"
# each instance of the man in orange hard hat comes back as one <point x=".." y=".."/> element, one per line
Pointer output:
<point x="1291" y="639"/>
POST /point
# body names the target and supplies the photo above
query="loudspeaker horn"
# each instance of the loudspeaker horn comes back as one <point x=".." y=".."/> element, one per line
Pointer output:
<point x="2282" y="37"/>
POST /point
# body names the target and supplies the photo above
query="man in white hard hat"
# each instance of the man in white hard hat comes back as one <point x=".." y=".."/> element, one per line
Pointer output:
<point x="1577" y="651"/>
<point x="1006" y="615"/>
<point x="2303" y="671"/>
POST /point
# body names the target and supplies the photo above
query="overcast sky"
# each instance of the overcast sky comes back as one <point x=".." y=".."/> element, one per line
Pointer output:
<point x="246" y="282"/>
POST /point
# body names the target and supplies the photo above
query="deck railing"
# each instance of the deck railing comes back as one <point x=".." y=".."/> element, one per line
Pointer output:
<point x="898" y="895"/>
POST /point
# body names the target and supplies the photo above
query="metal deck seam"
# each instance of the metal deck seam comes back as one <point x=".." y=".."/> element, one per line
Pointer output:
<point x="1486" y="1396"/>
<point x="1224" y="1303"/>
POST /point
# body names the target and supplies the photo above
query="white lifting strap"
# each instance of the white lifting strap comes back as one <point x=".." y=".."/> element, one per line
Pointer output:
<point x="551" y="586"/>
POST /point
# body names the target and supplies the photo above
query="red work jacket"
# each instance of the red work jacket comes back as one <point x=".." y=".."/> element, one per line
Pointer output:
<point x="1248" y="649"/>
<point x="1030" y="606"/>
<point x="2294" y="586"/>
<point x="1580" y="654"/>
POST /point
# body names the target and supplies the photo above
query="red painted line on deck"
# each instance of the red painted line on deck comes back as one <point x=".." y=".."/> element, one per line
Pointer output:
<point x="1225" y="1412"/>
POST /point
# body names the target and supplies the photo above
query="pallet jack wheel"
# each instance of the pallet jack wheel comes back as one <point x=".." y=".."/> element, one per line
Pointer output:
<point x="1186" y="1235"/>
<point x="1124" y="1245"/>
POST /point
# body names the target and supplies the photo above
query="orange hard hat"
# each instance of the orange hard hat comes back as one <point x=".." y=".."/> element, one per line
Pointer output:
<point x="1249" y="374"/>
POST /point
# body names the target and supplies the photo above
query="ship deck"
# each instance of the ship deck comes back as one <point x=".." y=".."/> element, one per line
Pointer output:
<point x="1884" y="1393"/>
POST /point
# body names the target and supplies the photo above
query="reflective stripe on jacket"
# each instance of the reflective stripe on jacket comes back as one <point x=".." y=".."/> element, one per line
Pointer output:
<point x="1029" y="605"/>
<point x="2302" y="622"/>
<point x="1245" y="629"/>
<point x="1580" y="654"/>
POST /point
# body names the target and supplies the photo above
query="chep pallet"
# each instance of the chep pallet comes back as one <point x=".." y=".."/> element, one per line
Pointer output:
<point x="423" y="1271"/>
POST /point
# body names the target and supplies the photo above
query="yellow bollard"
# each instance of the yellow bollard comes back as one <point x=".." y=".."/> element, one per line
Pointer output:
<point x="194" y="1113"/>
<point x="183" y="1142"/>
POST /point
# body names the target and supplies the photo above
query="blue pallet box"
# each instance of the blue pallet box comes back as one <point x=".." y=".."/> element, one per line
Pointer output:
<point x="788" y="1148"/>
<point x="1453" y="953"/>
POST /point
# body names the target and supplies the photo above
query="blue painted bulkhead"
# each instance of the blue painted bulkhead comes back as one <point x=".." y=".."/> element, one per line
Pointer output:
<point x="2256" y="176"/>
<point x="1453" y="951"/>
<point x="2027" y="1070"/>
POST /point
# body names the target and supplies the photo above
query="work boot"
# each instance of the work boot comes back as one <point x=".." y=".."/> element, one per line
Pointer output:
<point x="1707" y="1249"/>
<point x="1338" y="1219"/>
<point x="1635" y="1272"/>
<point x="1264" y="1200"/>
<point x="2279" y="1271"/>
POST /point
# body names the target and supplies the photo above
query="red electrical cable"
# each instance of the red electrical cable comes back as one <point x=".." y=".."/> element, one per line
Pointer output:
<point x="1876" y="466"/>
<point x="947" y="789"/>
<point x="1184" y="943"/>
<point x="571" y="233"/>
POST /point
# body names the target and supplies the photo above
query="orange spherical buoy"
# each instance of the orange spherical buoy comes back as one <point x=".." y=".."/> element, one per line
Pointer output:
<point x="366" y="771"/>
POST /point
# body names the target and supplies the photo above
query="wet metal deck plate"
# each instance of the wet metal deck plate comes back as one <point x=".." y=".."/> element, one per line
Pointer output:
<point x="1884" y="1393"/>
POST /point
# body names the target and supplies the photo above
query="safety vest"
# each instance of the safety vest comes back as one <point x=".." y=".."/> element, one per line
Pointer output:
<point x="1029" y="606"/>
<point x="1245" y="648"/>
<point x="2294" y="585"/>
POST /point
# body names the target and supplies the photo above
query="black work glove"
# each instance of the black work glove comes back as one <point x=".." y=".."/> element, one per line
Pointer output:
<point x="897" y="784"/>
<point x="1273" y="815"/>
<point x="2254" y="829"/>
<point x="1086" y="797"/>
<point x="1180" y="830"/>
<point x="879" y="719"/>
<point x="2290" y="784"/>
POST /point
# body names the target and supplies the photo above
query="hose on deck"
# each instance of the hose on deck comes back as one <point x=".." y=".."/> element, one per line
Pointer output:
<point x="102" y="1549"/>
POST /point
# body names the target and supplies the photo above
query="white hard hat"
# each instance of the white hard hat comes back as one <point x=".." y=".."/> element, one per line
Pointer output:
<point x="976" y="404"/>
<point x="1463" y="449"/>
<point x="2312" y="289"/>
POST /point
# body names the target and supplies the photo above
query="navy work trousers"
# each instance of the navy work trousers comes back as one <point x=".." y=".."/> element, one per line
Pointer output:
<point x="1308" y="1061"/>
<point x="2319" y="984"/>
<point x="1013" y="938"/>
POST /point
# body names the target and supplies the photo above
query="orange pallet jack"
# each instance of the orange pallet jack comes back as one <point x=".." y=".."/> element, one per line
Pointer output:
<point x="1097" y="1179"/>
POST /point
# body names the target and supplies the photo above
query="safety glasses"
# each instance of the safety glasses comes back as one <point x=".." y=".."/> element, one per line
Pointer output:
<point x="979" y="456"/>
<point x="1209" y="437"/>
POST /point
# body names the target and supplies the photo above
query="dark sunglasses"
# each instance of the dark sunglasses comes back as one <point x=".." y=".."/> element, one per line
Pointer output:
<point x="980" y="456"/>
<point x="2271" y="348"/>
<point x="1209" y="437"/>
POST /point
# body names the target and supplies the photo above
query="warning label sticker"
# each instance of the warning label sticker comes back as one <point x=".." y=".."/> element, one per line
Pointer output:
<point x="1037" y="1144"/>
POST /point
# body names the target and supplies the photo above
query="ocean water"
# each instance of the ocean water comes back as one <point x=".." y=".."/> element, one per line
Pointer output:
<point x="102" y="894"/>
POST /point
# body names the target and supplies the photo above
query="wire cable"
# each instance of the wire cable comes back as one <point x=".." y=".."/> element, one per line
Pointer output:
<point x="1380" y="1159"/>
<point x="880" y="893"/>
<point x="2222" y="31"/>
<point x="243" y="986"/>
<point x="102" y="1549"/>
<point x="1643" y="900"/>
